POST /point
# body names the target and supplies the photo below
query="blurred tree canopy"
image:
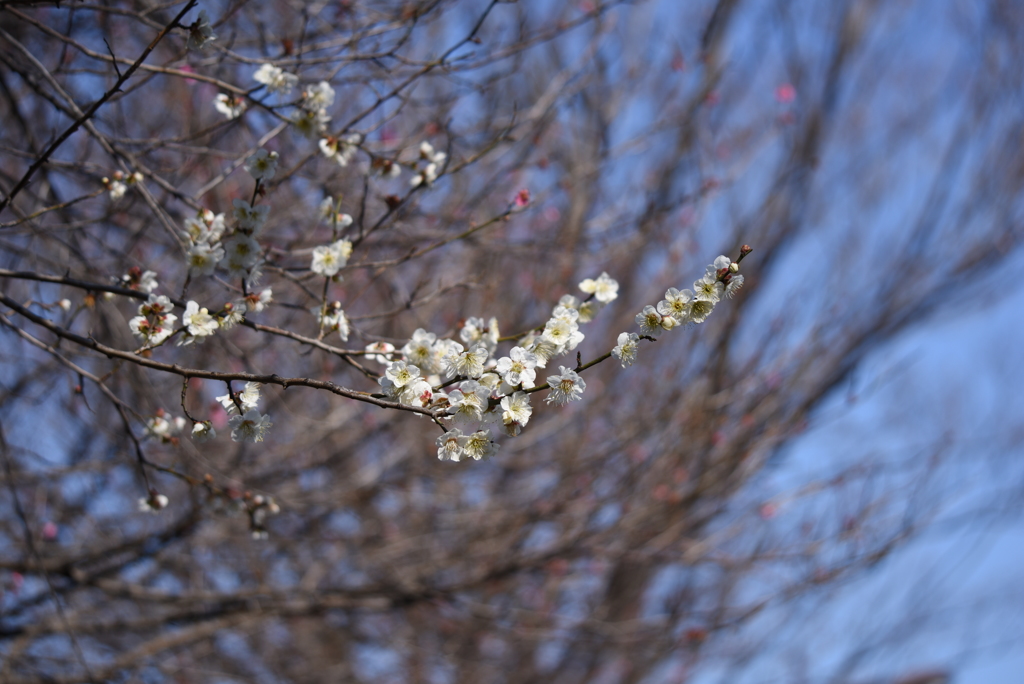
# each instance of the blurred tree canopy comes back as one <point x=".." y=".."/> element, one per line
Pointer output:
<point x="870" y="152"/>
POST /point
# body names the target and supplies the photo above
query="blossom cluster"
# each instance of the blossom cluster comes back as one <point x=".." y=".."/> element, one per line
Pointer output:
<point x="246" y="422"/>
<point x="488" y="389"/>
<point x="685" y="307"/>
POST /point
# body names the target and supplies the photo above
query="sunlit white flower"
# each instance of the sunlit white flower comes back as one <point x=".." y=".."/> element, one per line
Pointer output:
<point x="565" y="387"/>
<point x="203" y="432"/>
<point x="416" y="393"/>
<point x="515" y="412"/>
<point x="708" y="288"/>
<point x="518" y="367"/>
<point x="479" y="445"/>
<point x="401" y="373"/>
<point x="251" y="427"/>
<point x="232" y="315"/>
<point x="420" y="350"/>
<point x="262" y="164"/>
<point x="231" y="107"/>
<point x="329" y="259"/>
<point x="605" y="289"/>
<point x="475" y="330"/>
<point x="677" y="304"/>
<point x="276" y="80"/>
<point x="449" y="445"/>
<point x="469" y="363"/>
<point x="198" y="320"/>
<point x="467" y="403"/>
<point x="720" y="263"/>
<point x="257" y="301"/>
<point x="626" y="349"/>
<point x="340" y="150"/>
<point x="699" y="310"/>
<point x="649" y="321"/>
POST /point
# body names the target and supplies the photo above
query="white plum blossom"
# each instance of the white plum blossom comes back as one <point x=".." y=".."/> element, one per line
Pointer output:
<point x="677" y="304"/>
<point x="518" y="368"/>
<point x="604" y="288"/>
<point x="450" y="445"/>
<point x="137" y="279"/>
<point x="203" y="432"/>
<point x="565" y="387"/>
<point x="319" y="96"/>
<point x="329" y="259"/>
<point x="250" y="218"/>
<point x="116" y="188"/>
<point x="276" y="80"/>
<point x="708" y="288"/>
<point x="467" y="403"/>
<point x="401" y="373"/>
<point x="251" y="427"/>
<point x="200" y="33"/>
<point x="262" y="164"/>
<point x="626" y="349"/>
<point x="198" y="321"/>
<point x="416" y="393"/>
<point x="479" y="445"/>
<point x="420" y="350"/>
<point x="515" y="412"/>
<point x="700" y="309"/>
<point x="232" y="315"/>
<point x="649" y="321"/>
<point x="467" y="362"/>
<point x="231" y="107"/>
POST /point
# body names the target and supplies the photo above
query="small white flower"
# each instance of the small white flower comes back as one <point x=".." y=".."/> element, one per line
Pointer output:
<point x="329" y="259"/>
<point x="625" y="352"/>
<point x="276" y="80"/>
<point x="200" y="33"/>
<point x="249" y="397"/>
<point x="518" y="368"/>
<point x="649" y="321"/>
<point x="420" y="350"/>
<point x="677" y="304"/>
<point x="310" y="123"/>
<point x="605" y="289"/>
<point x="318" y="97"/>
<point x="159" y="427"/>
<point x="416" y="393"/>
<point x="65" y="305"/>
<point x="469" y="363"/>
<point x="199" y="321"/>
<point x="427" y="153"/>
<point x="515" y="412"/>
<point x="479" y="445"/>
<point x="251" y="427"/>
<point x="203" y="258"/>
<point x="708" y="288"/>
<point x="565" y="387"/>
<point x="250" y="218"/>
<point x="450" y="445"/>
<point x="700" y="309"/>
<point x="230" y="107"/>
<point x="203" y="432"/>
<point x="401" y="373"/>
<point x="467" y="403"/>
<point x="262" y="164"/>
